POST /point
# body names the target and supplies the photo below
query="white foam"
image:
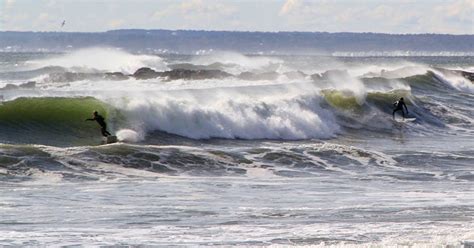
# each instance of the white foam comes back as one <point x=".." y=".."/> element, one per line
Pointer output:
<point x="287" y="112"/>
<point x="241" y="62"/>
<point x="103" y="59"/>
<point x="458" y="82"/>
<point x="128" y="135"/>
<point x="344" y="82"/>
<point x="391" y="71"/>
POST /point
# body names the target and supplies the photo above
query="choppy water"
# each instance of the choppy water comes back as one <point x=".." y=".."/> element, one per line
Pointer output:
<point x="297" y="150"/>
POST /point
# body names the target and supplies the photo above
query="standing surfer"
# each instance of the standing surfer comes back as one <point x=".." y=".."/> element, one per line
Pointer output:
<point x="101" y="122"/>
<point x="399" y="105"/>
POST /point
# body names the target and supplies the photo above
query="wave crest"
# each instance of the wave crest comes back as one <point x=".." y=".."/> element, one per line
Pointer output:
<point x="102" y="59"/>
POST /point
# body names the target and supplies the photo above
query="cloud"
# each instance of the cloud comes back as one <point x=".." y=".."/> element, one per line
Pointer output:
<point x="192" y="5"/>
<point x="43" y="17"/>
<point x="388" y="16"/>
<point x="453" y="16"/>
<point x="116" y="23"/>
<point x="211" y="8"/>
<point x="288" y="6"/>
<point x="45" y="21"/>
<point x="462" y="10"/>
<point x="51" y="3"/>
<point x="193" y="14"/>
<point x="195" y="8"/>
<point x="9" y="3"/>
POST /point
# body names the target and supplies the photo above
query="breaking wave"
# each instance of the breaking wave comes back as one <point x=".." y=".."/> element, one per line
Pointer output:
<point x="101" y="59"/>
<point x="289" y="112"/>
<point x="222" y="95"/>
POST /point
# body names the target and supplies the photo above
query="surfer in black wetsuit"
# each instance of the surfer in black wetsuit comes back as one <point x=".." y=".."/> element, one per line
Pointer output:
<point x="399" y="105"/>
<point x="101" y="122"/>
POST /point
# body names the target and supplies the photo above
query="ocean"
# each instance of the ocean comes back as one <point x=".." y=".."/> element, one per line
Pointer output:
<point x="227" y="149"/>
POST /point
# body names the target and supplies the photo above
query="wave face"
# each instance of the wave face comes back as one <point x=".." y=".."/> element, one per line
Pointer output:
<point x="56" y="120"/>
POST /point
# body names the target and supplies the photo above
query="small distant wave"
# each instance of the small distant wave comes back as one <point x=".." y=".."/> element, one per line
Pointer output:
<point x="30" y="74"/>
<point x="402" y="54"/>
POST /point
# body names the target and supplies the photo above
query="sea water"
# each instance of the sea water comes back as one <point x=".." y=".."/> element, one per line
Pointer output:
<point x="287" y="151"/>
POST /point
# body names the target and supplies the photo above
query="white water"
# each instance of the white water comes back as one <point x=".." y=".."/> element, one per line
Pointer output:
<point x="289" y="113"/>
<point x="102" y="59"/>
<point x="232" y="211"/>
<point x="129" y="136"/>
<point x="237" y="63"/>
<point x="458" y="82"/>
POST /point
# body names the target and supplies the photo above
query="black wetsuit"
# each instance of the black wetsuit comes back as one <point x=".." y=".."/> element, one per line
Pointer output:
<point x="400" y="105"/>
<point x="102" y="124"/>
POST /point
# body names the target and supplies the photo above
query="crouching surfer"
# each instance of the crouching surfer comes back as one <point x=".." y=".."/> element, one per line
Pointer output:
<point x="101" y="122"/>
<point x="399" y="105"/>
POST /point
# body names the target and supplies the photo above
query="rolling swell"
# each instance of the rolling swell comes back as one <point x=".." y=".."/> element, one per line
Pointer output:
<point x="28" y="74"/>
<point x="319" y="159"/>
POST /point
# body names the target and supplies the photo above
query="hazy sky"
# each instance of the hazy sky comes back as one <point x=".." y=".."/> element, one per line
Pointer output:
<point x="387" y="16"/>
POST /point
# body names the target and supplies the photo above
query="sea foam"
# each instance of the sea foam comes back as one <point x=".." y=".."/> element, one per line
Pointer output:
<point x="284" y="112"/>
<point x="104" y="59"/>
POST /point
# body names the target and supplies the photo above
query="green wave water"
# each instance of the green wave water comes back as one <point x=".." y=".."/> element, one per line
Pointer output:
<point x="53" y="120"/>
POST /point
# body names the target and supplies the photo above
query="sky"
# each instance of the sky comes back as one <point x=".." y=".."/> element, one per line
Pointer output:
<point x="379" y="16"/>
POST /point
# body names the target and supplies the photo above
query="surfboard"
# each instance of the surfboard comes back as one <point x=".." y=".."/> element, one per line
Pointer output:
<point x="406" y="120"/>
<point x="109" y="139"/>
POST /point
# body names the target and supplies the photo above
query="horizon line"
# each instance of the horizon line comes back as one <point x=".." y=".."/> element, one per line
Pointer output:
<point x="228" y="31"/>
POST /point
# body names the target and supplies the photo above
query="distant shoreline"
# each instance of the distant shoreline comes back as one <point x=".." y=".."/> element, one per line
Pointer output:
<point x="197" y="42"/>
<point x="229" y="31"/>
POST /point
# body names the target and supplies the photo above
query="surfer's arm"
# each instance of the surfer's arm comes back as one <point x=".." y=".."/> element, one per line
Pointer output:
<point x="405" y="106"/>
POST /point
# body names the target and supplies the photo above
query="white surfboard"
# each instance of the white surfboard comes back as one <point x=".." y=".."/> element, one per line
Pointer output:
<point x="109" y="139"/>
<point x="406" y="120"/>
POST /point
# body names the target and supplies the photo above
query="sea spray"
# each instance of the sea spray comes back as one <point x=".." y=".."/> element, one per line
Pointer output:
<point x="456" y="81"/>
<point x="102" y="59"/>
<point x="288" y="112"/>
<point x="128" y="135"/>
<point x="238" y="63"/>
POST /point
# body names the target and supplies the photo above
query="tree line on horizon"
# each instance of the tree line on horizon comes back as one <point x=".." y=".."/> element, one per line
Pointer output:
<point x="189" y="41"/>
